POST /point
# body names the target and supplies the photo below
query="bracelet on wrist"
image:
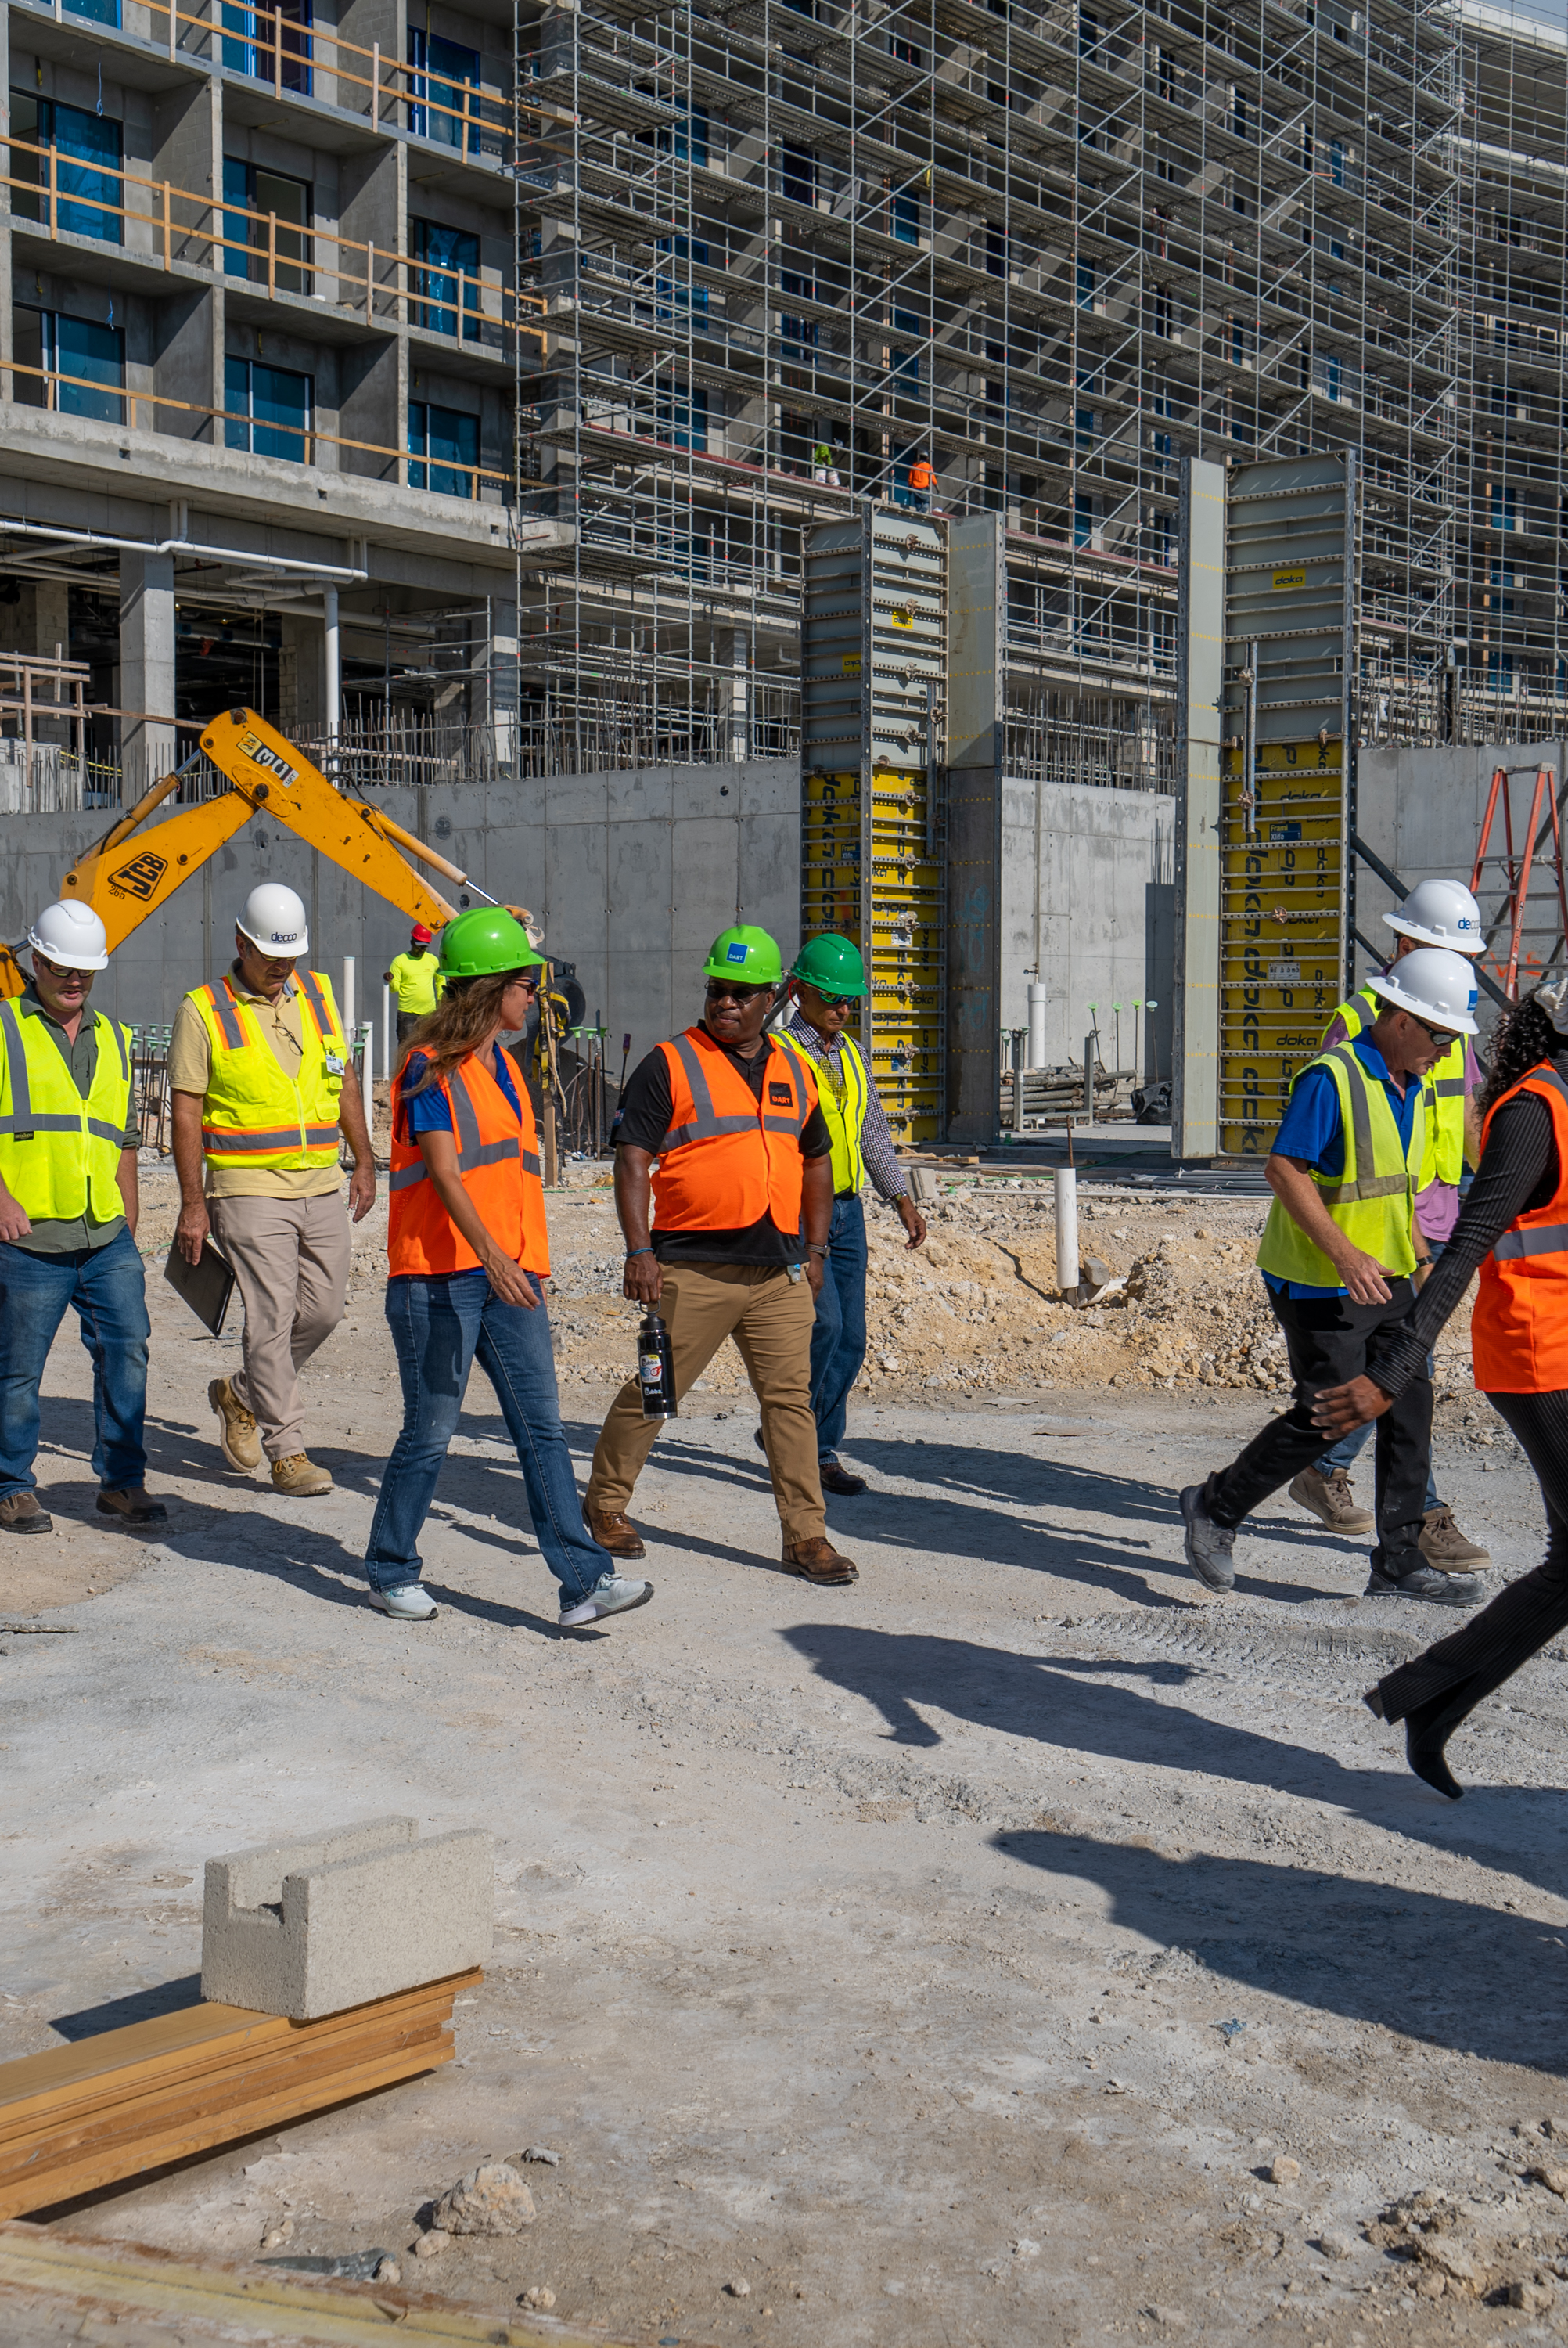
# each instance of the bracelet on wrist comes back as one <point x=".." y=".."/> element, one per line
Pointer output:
<point x="631" y="1252"/>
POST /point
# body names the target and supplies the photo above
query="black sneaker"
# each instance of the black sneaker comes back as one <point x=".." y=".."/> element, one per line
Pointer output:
<point x="1426" y="1582"/>
<point x="1207" y="1546"/>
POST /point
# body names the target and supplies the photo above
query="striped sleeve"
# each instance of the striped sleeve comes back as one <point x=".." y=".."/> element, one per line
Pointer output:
<point x="876" y="1149"/>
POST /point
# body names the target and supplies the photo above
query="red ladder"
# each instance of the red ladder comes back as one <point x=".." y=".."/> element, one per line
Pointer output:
<point x="1517" y="861"/>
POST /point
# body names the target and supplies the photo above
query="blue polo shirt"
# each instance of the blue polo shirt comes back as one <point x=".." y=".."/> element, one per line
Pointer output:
<point x="1314" y="1130"/>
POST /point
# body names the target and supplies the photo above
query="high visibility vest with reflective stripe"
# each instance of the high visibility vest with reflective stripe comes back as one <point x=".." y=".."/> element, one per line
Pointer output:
<point x="1372" y="1199"/>
<point x="846" y="1124"/>
<point x="728" y="1159"/>
<point x="1444" y="1160"/>
<point x="251" y="1115"/>
<point x="498" y="1159"/>
<point x="58" y="1152"/>
<point x="1519" y="1328"/>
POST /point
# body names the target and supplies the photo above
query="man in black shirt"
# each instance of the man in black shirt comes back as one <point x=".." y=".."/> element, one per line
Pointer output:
<point x="745" y="1197"/>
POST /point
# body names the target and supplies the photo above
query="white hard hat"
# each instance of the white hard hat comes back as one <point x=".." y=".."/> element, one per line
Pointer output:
<point x="1435" y="985"/>
<point x="72" y="935"/>
<point x="274" y="920"/>
<point x="1440" y="913"/>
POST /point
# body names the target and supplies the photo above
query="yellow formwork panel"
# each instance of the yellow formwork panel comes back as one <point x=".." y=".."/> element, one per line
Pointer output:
<point x="904" y="955"/>
<point x="1282" y="932"/>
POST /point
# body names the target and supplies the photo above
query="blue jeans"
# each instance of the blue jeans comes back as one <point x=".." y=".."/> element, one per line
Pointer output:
<point x="439" y="1327"/>
<point x="1348" y="1448"/>
<point x="107" y="1289"/>
<point x="838" y="1333"/>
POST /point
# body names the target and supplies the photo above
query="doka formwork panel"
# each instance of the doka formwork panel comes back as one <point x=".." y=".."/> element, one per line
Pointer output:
<point x="306" y="1929"/>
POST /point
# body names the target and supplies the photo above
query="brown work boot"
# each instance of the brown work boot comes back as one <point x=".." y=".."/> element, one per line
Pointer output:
<point x="299" y="1478"/>
<point x="135" y="1506"/>
<point x="817" y="1560"/>
<point x="238" y="1438"/>
<point x="1442" y="1544"/>
<point x="614" y="1530"/>
<point x="20" y="1513"/>
<point x="1331" y="1500"/>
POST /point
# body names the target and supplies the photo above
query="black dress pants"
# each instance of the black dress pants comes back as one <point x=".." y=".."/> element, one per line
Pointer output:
<point x="1329" y="1340"/>
<point x="1435" y="1690"/>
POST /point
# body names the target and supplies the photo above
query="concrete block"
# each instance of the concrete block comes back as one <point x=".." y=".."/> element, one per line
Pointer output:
<point x="305" y="1929"/>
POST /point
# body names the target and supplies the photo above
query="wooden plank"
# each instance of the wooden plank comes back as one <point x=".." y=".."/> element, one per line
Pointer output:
<point x="130" y="2100"/>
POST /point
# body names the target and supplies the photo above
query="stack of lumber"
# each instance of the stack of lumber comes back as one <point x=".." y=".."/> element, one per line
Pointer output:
<point x="126" y="2101"/>
<point x="1050" y="1096"/>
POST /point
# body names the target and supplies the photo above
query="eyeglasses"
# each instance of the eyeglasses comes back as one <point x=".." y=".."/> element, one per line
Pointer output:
<point x="57" y="968"/>
<point x="1438" y="1037"/>
<point x="730" y="990"/>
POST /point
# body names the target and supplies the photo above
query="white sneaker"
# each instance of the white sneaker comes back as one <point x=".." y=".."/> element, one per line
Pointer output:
<point x="409" y="1602"/>
<point x="612" y="1593"/>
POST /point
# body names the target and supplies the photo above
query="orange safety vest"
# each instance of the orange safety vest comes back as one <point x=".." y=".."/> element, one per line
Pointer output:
<point x="1519" y="1329"/>
<point x="920" y="475"/>
<point x="728" y="1159"/>
<point x="498" y="1159"/>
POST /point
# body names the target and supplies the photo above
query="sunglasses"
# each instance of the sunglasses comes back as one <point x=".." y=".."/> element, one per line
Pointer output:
<point x="1437" y="1035"/>
<point x="730" y="990"/>
<point x="57" y="968"/>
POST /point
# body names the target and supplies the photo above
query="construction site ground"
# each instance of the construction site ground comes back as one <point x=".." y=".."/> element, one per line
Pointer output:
<point x="947" y="1959"/>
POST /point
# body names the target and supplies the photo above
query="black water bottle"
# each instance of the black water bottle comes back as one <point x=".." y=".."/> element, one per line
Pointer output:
<point x="656" y="1367"/>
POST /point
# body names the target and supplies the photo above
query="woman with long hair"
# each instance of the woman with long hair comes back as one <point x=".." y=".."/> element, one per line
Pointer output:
<point x="1514" y="1226"/>
<point x="468" y="1255"/>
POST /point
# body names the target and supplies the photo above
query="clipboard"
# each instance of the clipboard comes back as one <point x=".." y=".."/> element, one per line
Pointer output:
<point x="206" y="1286"/>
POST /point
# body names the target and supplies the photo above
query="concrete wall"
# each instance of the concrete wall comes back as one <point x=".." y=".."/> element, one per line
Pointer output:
<point x="633" y="875"/>
<point x="1421" y="811"/>
<point x="1088" y="897"/>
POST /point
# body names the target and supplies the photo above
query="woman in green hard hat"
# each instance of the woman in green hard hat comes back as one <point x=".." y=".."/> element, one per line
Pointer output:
<point x="826" y="986"/>
<point x="728" y="1116"/>
<point x="468" y="1255"/>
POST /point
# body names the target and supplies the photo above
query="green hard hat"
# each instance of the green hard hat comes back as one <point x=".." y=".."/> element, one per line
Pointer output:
<point x="748" y="955"/>
<point x="832" y="965"/>
<point x="484" y="940"/>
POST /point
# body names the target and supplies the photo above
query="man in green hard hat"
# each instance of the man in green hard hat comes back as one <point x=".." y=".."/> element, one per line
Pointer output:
<point x="743" y="1197"/>
<point x="825" y="989"/>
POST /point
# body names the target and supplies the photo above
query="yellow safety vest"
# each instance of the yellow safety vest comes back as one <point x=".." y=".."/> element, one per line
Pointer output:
<point x="413" y="983"/>
<point x="1372" y="1199"/>
<point x="1444" y="1159"/>
<point x="58" y="1152"/>
<point x="251" y="1114"/>
<point x="847" y="1118"/>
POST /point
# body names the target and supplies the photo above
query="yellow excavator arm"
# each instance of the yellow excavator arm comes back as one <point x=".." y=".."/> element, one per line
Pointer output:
<point x="132" y="872"/>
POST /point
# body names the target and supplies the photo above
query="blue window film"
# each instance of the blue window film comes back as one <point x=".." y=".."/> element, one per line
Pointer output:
<point x="245" y="235"/>
<point x="87" y="159"/>
<point x="1082" y="519"/>
<point x="53" y="345"/>
<point x="447" y="283"/>
<point x="679" y="294"/>
<point x="687" y="139"/>
<point x="797" y="175"/>
<point x="269" y="410"/>
<point x="445" y="85"/>
<point x="1086" y="285"/>
<point x="1503" y="502"/>
<point x="905" y="366"/>
<point x="97" y="12"/>
<point x="906" y="219"/>
<point x="254" y="43"/>
<point x="682" y="414"/>
<point x="800" y="331"/>
<point x="442" y="448"/>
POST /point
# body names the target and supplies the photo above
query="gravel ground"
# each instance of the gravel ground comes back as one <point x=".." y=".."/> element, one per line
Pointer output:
<point x="953" y="1957"/>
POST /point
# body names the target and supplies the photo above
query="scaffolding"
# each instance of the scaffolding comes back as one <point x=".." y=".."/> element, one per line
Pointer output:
<point x="786" y="251"/>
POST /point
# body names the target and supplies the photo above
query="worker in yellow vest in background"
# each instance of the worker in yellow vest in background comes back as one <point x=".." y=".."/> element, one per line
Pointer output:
<point x="262" y="1086"/>
<point x="412" y="978"/>
<point x="1443" y="914"/>
<point x="68" y="1202"/>
<point x="1338" y="1256"/>
<point x="825" y="986"/>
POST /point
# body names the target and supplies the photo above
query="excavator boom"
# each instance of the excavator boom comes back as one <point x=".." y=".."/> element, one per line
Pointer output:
<point x="132" y="872"/>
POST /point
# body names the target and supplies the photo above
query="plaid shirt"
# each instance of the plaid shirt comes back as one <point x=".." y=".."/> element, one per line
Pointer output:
<point x="876" y="1140"/>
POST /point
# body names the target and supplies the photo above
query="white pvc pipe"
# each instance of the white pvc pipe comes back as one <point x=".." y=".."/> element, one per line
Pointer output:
<point x="234" y="554"/>
<point x="367" y="1074"/>
<point x="333" y="663"/>
<point x="348" y="994"/>
<point x="1036" y="1024"/>
<point x="386" y="1029"/>
<point x="1067" y="1269"/>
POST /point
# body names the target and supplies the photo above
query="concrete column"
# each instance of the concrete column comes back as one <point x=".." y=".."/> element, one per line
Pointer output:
<point x="331" y="647"/>
<point x="302" y="686"/>
<point x="146" y="670"/>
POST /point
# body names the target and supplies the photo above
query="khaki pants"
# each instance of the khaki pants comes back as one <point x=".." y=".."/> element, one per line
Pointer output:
<point x="291" y="1263"/>
<point x="770" y="1317"/>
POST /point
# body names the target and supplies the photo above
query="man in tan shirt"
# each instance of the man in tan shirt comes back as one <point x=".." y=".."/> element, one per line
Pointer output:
<point x="262" y="1086"/>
